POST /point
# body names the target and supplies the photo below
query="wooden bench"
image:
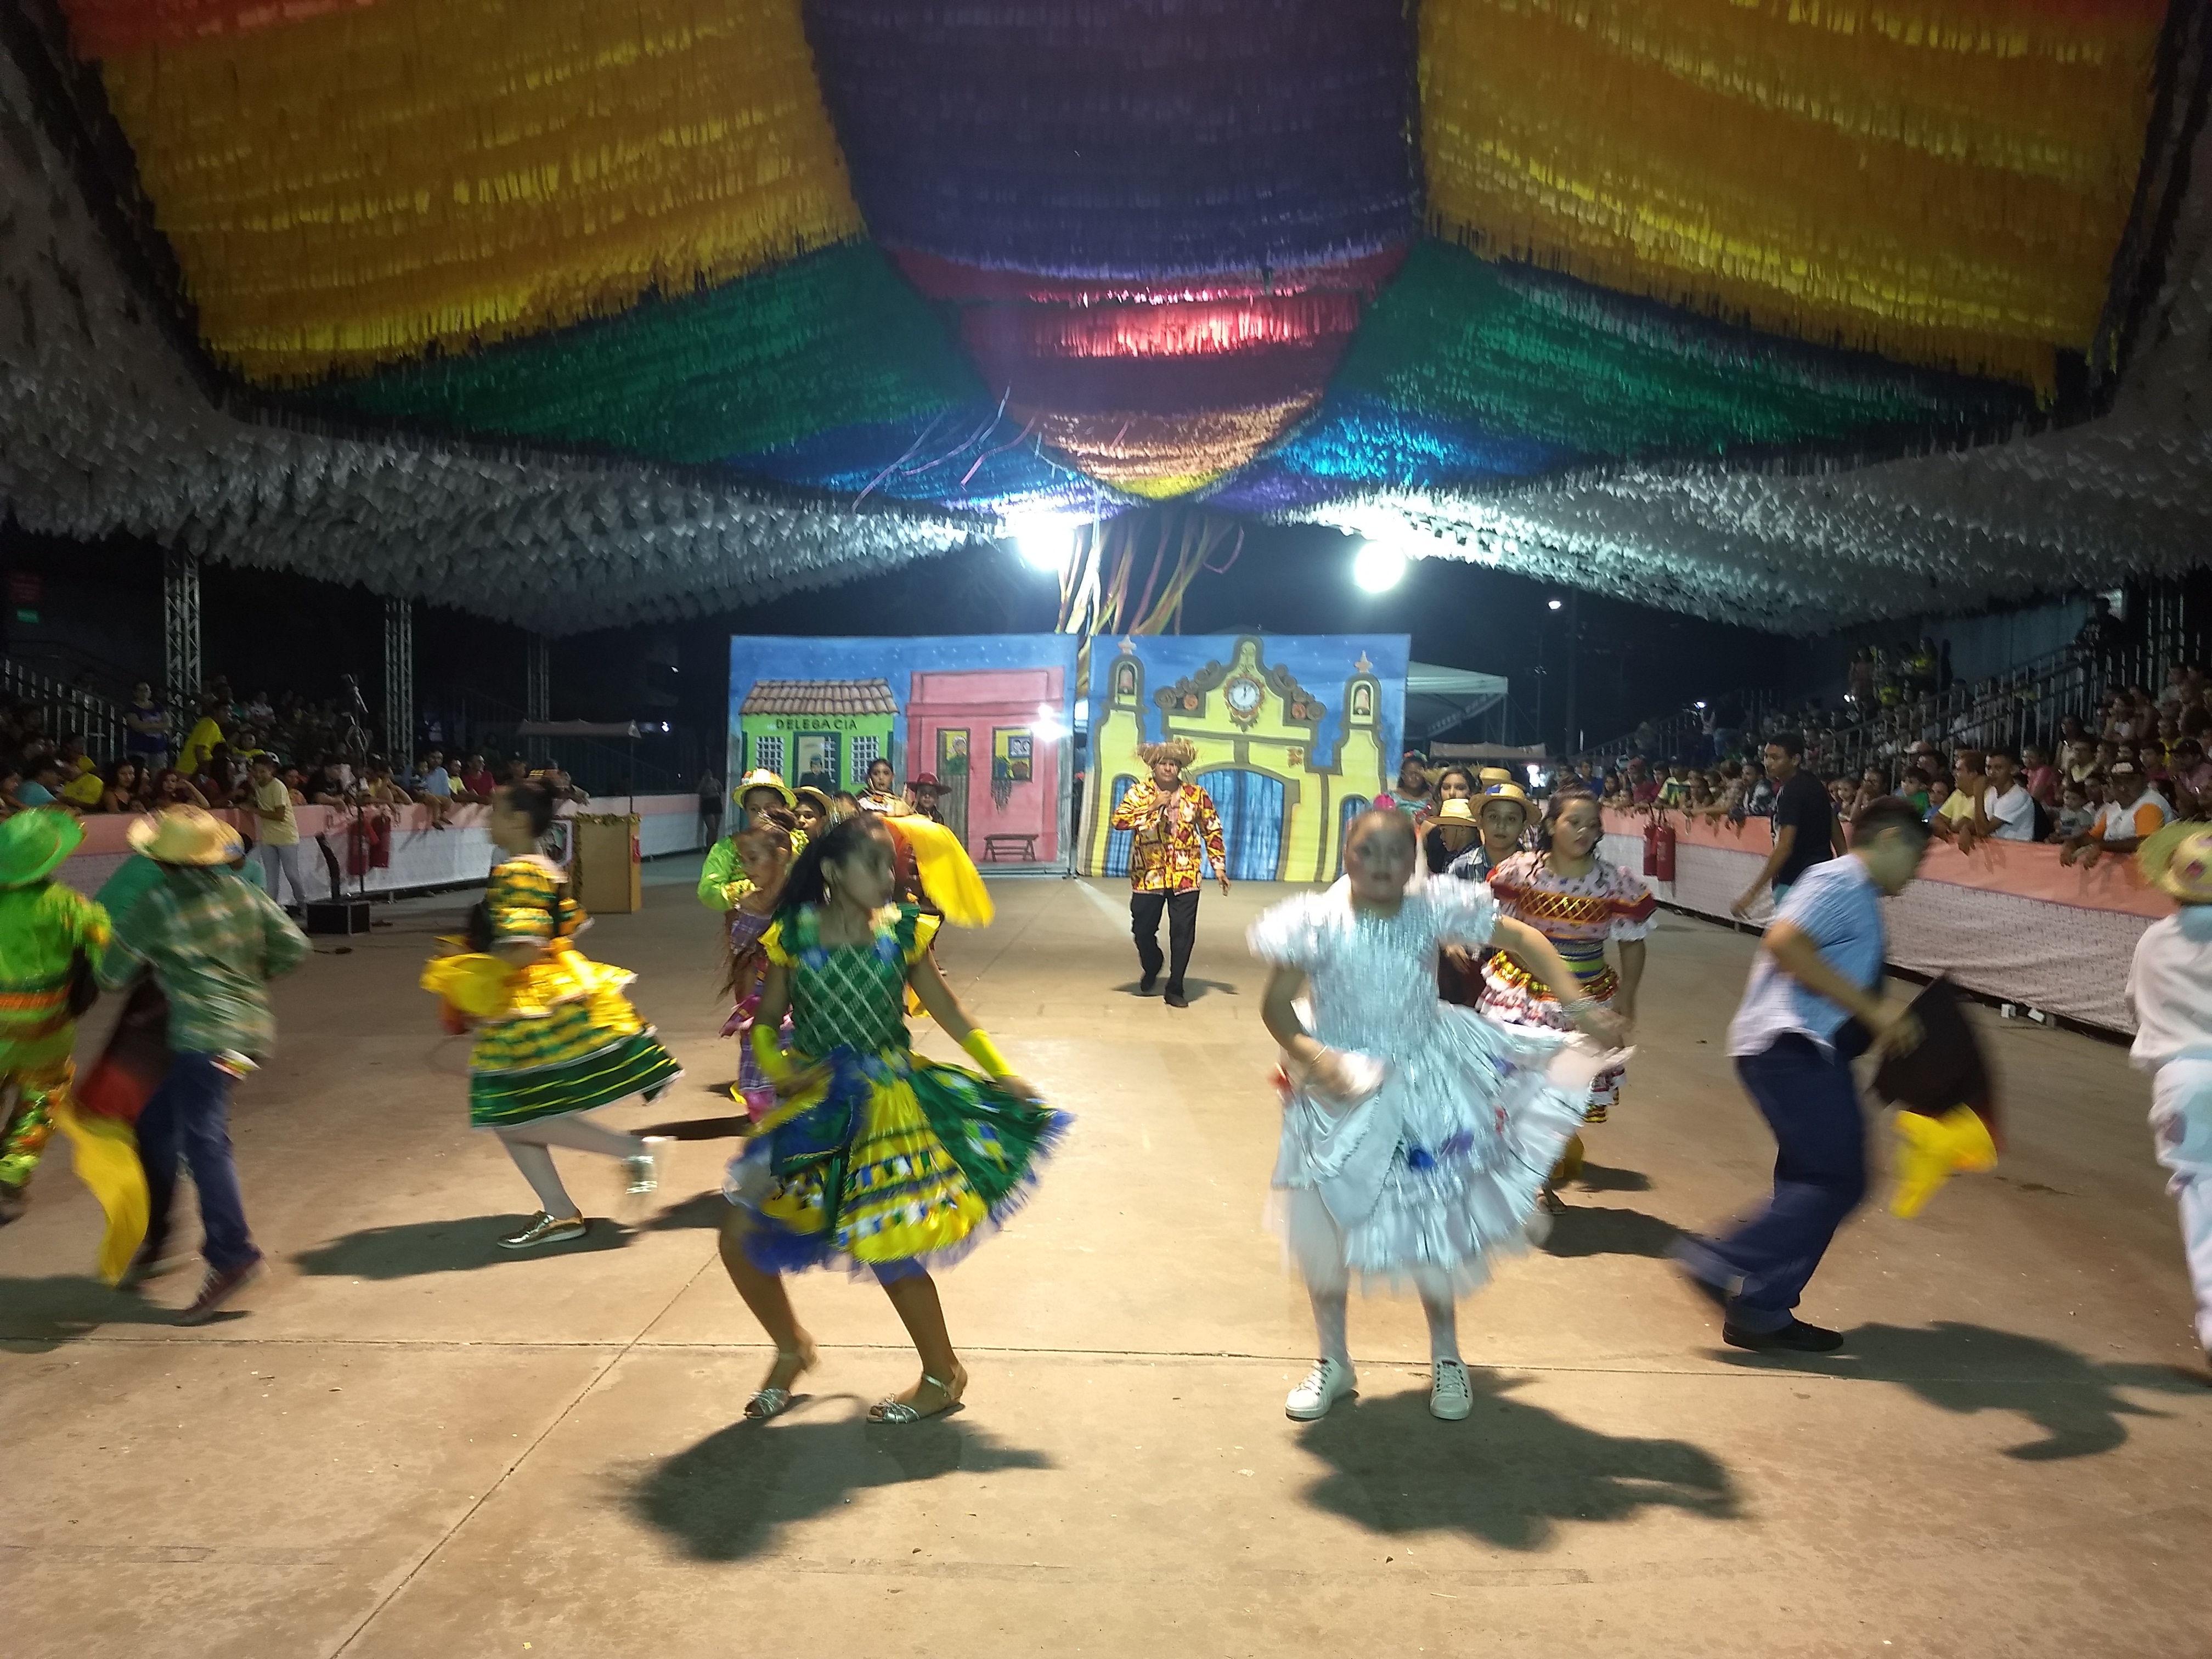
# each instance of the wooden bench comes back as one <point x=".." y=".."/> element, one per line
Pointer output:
<point x="1010" y="849"/>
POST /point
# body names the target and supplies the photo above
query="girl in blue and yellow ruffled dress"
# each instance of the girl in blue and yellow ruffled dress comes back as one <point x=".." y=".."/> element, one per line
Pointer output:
<point x="555" y="1036"/>
<point x="872" y="1157"/>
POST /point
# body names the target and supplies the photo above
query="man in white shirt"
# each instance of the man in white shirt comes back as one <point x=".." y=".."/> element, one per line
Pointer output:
<point x="2122" y="828"/>
<point x="2170" y="987"/>
<point x="2004" y="810"/>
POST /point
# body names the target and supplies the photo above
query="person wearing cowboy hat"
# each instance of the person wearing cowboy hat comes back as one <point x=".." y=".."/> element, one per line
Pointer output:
<point x="1501" y="814"/>
<point x="212" y="942"/>
<point x="927" y="792"/>
<point x="1177" y="829"/>
<point x="2170" y="987"/>
<point x="722" y="881"/>
<point x="1501" y="817"/>
<point x="1451" y="831"/>
<point x="45" y="929"/>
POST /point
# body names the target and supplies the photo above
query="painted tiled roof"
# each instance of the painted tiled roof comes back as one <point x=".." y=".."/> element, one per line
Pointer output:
<point x="819" y="697"/>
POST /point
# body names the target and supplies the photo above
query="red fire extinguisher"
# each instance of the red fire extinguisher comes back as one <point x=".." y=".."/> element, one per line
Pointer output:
<point x="1651" y="848"/>
<point x="1663" y="852"/>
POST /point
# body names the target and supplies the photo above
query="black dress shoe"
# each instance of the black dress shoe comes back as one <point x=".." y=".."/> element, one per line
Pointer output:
<point x="1795" y="1337"/>
<point x="1146" y="985"/>
<point x="1175" y="999"/>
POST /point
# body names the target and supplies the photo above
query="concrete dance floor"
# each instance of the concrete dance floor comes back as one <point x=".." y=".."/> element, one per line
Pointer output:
<point x="409" y="1443"/>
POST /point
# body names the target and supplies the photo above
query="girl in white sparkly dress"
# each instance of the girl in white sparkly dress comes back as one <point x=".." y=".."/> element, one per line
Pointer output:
<point x="1416" y="1135"/>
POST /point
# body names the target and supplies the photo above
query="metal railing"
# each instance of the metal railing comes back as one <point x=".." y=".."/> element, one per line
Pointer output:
<point x="2028" y="704"/>
<point x="1680" y="735"/>
<point x="659" y="763"/>
<point x="64" y="709"/>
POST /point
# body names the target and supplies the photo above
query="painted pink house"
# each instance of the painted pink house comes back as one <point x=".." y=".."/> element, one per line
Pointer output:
<point x="977" y="731"/>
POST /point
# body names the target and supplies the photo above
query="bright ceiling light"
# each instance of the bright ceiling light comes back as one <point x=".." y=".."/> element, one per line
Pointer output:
<point x="1377" y="566"/>
<point x="1044" y="543"/>
<point x="1554" y="604"/>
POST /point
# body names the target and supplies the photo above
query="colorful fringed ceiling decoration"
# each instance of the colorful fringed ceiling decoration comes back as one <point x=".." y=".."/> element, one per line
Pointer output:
<point x="829" y="340"/>
<point x="1467" y="371"/>
<point x="1515" y="352"/>
<point x="1146" y="138"/>
<point x="352" y="186"/>
<point x="1942" y="181"/>
<point x="1121" y="250"/>
<point x="1158" y="224"/>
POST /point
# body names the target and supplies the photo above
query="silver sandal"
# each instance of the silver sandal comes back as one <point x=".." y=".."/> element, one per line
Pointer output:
<point x="773" y="1402"/>
<point x="899" y="1412"/>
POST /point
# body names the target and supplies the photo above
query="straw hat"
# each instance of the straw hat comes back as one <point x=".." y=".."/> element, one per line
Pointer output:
<point x="2178" y="859"/>
<point x="1181" y="750"/>
<point x="761" y="778"/>
<point x="1512" y="792"/>
<point x="185" y="834"/>
<point x="1493" y="775"/>
<point x="814" y="798"/>
<point x="1455" y="811"/>
<point x="33" y="844"/>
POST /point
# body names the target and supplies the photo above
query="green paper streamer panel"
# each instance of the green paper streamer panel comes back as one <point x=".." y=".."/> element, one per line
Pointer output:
<point x="832" y="339"/>
<point x="1519" y="352"/>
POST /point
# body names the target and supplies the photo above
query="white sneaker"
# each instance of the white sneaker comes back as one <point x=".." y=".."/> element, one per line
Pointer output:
<point x="645" y="1169"/>
<point x="1328" y="1381"/>
<point x="1452" y="1396"/>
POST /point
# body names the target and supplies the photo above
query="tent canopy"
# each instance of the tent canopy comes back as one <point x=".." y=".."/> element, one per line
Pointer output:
<point x="1438" y="699"/>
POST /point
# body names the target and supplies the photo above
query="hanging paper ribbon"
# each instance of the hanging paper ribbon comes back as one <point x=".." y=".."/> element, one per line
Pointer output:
<point x="1943" y="181"/>
<point x="353" y="187"/>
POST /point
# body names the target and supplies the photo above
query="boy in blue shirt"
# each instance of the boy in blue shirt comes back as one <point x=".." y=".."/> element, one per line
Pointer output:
<point x="1815" y="1002"/>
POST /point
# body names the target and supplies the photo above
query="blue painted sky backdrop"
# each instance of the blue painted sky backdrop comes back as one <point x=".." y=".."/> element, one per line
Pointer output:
<point x="1321" y="663"/>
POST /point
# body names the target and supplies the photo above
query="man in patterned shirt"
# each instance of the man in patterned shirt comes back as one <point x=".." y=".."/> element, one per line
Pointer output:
<point x="1175" y="827"/>
<point x="212" y="942"/>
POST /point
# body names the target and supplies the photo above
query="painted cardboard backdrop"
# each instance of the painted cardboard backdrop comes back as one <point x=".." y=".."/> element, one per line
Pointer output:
<point x="990" y="716"/>
<point x="1296" y="734"/>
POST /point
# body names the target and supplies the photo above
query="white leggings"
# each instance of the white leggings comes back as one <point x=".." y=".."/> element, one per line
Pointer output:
<point x="2181" y="1126"/>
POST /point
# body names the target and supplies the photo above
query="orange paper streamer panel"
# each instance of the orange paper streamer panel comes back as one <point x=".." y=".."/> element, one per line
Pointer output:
<point x="103" y="28"/>
<point x="351" y="188"/>
<point x="1943" y="181"/>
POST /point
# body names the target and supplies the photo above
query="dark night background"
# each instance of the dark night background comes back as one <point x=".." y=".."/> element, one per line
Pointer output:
<point x="98" y="614"/>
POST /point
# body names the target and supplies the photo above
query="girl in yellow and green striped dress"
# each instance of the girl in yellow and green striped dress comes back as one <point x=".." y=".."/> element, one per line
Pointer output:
<point x="872" y="1157"/>
<point x="555" y="1034"/>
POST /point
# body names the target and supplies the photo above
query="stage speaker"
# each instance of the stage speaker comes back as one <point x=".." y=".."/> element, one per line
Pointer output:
<point x="337" y="916"/>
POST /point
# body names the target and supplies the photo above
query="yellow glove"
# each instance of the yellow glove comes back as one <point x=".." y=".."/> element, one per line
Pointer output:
<point x="774" y="1062"/>
<point x="985" y="1053"/>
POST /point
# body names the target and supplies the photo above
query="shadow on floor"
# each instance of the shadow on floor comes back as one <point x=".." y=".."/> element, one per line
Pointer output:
<point x="1509" y="1475"/>
<point x="39" y="1314"/>
<point x="726" y="1127"/>
<point x="1193" y="988"/>
<point x="1600" y="1178"/>
<point x="453" y="1246"/>
<point x="1601" y="1230"/>
<point x="726" y="1498"/>
<point x="1970" y="1369"/>
<point x="700" y="1210"/>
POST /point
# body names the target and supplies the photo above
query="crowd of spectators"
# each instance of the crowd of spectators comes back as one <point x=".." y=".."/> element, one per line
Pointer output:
<point x="2140" y="763"/>
<point x="254" y="753"/>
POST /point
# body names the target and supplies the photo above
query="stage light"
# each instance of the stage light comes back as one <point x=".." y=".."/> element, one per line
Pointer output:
<point x="1048" y="728"/>
<point x="1377" y="566"/>
<point x="1700" y="705"/>
<point x="1554" y="604"/>
<point x="1044" y="543"/>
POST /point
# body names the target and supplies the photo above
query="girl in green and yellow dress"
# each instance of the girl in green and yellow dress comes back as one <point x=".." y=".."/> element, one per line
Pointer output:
<point x="555" y="1036"/>
<point x="872" y="1158"/>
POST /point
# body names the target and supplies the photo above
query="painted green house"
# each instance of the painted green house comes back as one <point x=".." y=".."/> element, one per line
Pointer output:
<point x="823" y="732"/>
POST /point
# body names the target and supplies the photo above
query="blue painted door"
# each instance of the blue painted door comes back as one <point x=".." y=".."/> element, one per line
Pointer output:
<point x="1251" y="807"/>
<point x="1119" y="841"/>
